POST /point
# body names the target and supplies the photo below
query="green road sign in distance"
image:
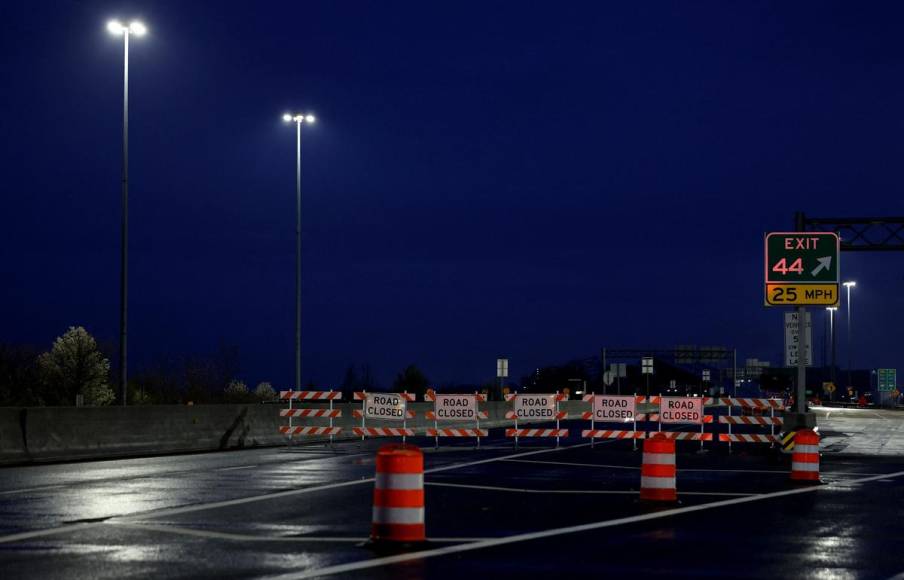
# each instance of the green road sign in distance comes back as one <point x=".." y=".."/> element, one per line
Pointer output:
<point x="802" y="257"/>
<point x="887" y="379"/>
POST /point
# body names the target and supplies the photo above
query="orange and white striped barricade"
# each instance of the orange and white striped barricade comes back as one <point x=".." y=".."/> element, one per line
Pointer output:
<point x="805" y="457"/>
<point x="386" y="407"/>
<point x="291" y="430"/>
<point x="531" y="406"/>
<point x="462" y="407"/>
<point x="759" y="420"/>
<point x="611" y="409"/>
<point x="684" y="411"/>
<point x="658" y="471"/>
<point x="398" y="512"/>
<point x="651" y="416"/>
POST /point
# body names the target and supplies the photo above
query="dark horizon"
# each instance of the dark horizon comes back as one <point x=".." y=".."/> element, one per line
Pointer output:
<point x="481" y="181"/>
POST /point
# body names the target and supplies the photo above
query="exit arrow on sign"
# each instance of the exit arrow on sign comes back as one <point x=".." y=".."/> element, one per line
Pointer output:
<point x="824" y="264"/>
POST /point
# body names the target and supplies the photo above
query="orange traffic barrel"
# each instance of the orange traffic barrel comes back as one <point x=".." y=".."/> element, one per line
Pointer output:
<point x="657" y="474"/>
<point x="805" y="456"/>
<point x="398" y="514"/>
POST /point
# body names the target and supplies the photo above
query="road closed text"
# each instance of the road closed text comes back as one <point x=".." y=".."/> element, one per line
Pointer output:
<point x="456" y="407"/>
<point x="619" y="408"/>
<point x="384" y="406"/>
<point x="535" y="406"/>
<point x="681" y="410"/>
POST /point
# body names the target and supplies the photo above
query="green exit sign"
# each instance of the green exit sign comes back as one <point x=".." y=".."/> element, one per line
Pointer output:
<point x="802" y="257"/>
<point x="802" y="268"/>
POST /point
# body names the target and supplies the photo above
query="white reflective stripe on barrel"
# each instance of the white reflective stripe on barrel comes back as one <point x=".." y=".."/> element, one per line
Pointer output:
<point x="390" y="515"/>
<point x="659" y="458"/>
<point x="647" y="482"/>
<point x="798" y="448"/>
<point x="804" y="466"/>
<point x="399" y="481"/>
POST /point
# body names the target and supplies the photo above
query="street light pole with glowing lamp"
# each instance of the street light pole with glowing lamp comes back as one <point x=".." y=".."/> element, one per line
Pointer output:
<point x="116" y="28"/>
<point x="298" y="119"/>
<point x="849" y="284"/>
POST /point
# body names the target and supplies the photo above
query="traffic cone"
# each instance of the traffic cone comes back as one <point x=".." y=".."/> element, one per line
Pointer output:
<point x="805" y="456"/>
<point x="657" y="474"/>
<point x="398" y="514"/>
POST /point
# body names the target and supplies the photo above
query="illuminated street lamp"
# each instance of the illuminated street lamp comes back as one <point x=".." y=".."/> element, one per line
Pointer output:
<point x="298" y="119"/>
<point x="116" y="28"/>
<point x="849" y="284"/>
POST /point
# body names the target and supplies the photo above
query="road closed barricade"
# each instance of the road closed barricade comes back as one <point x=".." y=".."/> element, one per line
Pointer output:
<point x="539" y="407"/>
<point x="684" y="411"/>
<point x="383" y="407"/>
<point x="297" y="413"/>
<point x="754" y="413"/>
<point x="458" y="408"/>
<point x="612" y="409"/>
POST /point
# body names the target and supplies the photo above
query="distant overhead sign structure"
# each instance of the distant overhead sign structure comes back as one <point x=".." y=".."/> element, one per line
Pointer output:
<point x="802" y="269"/>
<point x="887" y="380"/>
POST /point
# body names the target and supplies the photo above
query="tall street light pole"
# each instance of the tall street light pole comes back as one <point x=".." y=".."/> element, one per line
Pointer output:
<point x="849" y="284"/>
<point x="298" y="119"/>
<point x="832" y="310"/>
<point x="118" y="29"/>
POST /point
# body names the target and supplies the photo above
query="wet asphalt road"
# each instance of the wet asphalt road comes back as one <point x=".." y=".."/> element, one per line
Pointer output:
<point x="305" y="511"/>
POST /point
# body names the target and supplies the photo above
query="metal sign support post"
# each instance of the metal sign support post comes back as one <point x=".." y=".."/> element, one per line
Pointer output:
<point x="801" y="360"/>
<point x="289" y="440"/>
<point x="605" y="390"/>
<point x="331" y="418"/>
<point x="557" y="419"/>
<point x="634" y="437"/>
<point x="405" y="415"/>
<point x="363" y="409"/>
<point x="435" y="428"/>
<point x="477" y="407"/>
<point x="729" y="427"/>
<point x="516" y="430"/>
<point x="702" y="422"/>
<point x="593" y="412"/>
<point x="772" y="426"/>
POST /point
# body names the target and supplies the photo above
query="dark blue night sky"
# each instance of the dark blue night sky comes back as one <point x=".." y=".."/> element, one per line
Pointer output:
<point x="538" y="179"/>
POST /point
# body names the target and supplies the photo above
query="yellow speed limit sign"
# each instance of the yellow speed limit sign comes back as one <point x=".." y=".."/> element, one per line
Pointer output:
<point x="801" y="294"/>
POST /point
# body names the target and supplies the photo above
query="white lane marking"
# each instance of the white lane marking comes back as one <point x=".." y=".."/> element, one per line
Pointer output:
<point x="524" y="490"/>
<point x="281" y="462"/>
<point x="682" y="470"/>
<point x="256" y="498"/>
<point x="39" y="533"/>
<point x="42" y="488"/>
<point x="570" y="464"/>
<point x="210" y="534"/>
<point x="502" y="458"/>
<point x="377" y="562"/>
<point x="569" y="491"/>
